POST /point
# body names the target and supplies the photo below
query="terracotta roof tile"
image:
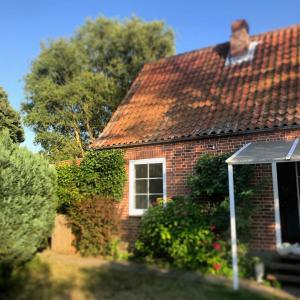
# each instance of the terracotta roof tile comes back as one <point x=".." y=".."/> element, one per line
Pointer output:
<point x="194" y="94"/>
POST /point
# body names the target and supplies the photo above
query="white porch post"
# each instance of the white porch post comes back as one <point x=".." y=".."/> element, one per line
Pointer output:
<point x="276" y="205"/>
<point x="233" y="229"/>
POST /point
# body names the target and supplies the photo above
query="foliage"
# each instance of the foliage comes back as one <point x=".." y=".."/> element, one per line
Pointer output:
<point x="119" y="49"/>
<point x="74" y="85"/>
<point x="180" y="232"/>
<point x="100" y="173"/>
<point x="68" y="185"/>
<point x="95" y="223"/>
<point x="103" y="173"/>
<point x="210" y="184"/>
<point x="10" y="119"/>
<point x="27" y="202"/>
<point x="193" y="232"/>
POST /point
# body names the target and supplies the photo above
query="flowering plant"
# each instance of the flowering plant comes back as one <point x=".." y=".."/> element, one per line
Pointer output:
<point x="180" y="234"/>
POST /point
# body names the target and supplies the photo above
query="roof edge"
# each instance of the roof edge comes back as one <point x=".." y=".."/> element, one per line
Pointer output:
<point x="195" y="138"/>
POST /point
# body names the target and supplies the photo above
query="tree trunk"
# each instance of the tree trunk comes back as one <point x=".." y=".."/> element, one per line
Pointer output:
<point x="78" y="141"/>
<point x="90" y="131"/>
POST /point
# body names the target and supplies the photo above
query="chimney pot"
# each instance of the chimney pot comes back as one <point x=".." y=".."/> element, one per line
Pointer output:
<point x="239" y="24"/>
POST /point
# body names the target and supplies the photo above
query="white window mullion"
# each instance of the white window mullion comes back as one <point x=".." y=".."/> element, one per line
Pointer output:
<point x="148" y="184"/>
<point x="298" y="192"/>
<point x="133" y="211"/>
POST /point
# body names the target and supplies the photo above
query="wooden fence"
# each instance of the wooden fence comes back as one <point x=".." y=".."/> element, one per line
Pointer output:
<point x="62" y="237"/>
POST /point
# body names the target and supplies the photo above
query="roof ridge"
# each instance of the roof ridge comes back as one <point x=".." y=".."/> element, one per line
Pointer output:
<point x="219" y="44"/>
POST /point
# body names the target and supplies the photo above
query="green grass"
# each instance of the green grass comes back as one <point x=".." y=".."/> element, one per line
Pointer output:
<point x="49" y="279"/>
<point x="117" y="285"/>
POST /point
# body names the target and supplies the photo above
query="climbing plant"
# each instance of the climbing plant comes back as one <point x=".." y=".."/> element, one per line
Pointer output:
<point x="100" y="173"/>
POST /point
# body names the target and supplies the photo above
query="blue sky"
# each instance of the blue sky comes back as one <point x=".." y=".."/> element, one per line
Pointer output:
<point x="25" y="24"/>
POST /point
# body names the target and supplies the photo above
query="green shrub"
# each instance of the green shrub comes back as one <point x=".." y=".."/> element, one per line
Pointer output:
<point x="103" y="173"/>
<point x="193" y="232"/>
<point x="68" y="186"/>
<point x="100" y="173"/>
<point x="210" y="184"/>
<point x="27" y="202"/>
<point x="180" y="233"/>
<point x="95" y="223"/>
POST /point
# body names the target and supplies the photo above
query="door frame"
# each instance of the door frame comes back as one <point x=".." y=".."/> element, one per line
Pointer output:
<point x="278" y="229"/>
<point x="278" y="234"/>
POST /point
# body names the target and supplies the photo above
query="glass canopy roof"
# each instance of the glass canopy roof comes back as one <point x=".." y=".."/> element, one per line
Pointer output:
<point x="266" y="152"/>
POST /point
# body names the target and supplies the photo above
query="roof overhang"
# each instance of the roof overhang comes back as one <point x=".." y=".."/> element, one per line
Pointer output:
<point x="266" y="152"/>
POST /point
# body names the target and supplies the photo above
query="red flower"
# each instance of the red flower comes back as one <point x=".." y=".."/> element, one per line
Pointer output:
<point x="213" y="227"/>
<point x="217" y="246"/>
<point x="217" y="266"/>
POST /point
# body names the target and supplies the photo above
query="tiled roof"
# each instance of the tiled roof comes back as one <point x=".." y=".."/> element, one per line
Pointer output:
<point x="194" y="94"/>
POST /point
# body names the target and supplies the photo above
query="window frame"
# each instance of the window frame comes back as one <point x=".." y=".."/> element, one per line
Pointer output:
<point x="132" y="163"/>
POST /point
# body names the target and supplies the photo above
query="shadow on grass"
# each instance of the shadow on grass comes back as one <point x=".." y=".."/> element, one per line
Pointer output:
<point x="118" y="281"/>
<point x="34" y="282"/>
<point x="62" y="280"/>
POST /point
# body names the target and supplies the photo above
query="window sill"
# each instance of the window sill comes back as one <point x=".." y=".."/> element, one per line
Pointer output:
<point x="137" y="213"/>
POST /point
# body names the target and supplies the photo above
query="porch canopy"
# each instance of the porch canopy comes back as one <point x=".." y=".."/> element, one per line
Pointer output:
<point x="266" y="152"/>
<point x="270" y="152"/>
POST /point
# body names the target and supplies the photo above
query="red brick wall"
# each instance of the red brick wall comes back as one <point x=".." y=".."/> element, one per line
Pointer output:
<point x="180" y="161"/>
<point x="263" y="225"/>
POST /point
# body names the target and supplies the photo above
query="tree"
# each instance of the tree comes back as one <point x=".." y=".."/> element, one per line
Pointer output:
<point x="74" y="85"/>
<point x="120" y="49"/>
<point x="27" y="202"/>
<point x="10" y="119"/>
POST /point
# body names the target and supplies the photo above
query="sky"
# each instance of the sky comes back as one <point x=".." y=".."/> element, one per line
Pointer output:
<point x="25" y="24"/>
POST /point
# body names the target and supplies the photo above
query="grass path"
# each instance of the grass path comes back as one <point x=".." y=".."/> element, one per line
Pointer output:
<point x="61" y="277"/>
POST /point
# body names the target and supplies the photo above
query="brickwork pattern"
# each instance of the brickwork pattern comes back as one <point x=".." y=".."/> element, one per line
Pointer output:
<point x="180" y="162"/>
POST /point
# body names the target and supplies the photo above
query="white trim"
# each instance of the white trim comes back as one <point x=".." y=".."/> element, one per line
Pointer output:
<point x="276" y="206"/>
<point x="233" y="229"/>
<point x="132" y="210"/>
<point x="291" y="152"/>
<point x="298" y="195"/>
<point x="228" y="160"/>
<point x="244" y="57"/>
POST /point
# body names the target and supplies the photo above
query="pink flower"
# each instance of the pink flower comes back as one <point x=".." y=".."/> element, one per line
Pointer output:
<point x="217" y="266"/>
<point x="217" y="246"/>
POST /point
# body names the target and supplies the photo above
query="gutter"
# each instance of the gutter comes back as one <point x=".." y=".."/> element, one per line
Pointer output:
<point x="196" y="138"/>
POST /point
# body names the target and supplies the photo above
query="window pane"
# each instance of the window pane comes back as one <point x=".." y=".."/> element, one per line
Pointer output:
<point x="141" y="186"/>
<point x="155" y="186"/>
<point x="141" y="171"/>
<point x="141" y="201"/>
<point x="153" y="199"/>
<point x="155" y="170"/>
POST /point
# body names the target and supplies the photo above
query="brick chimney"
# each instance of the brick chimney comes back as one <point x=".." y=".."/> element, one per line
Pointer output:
<point x="239" y="40"/>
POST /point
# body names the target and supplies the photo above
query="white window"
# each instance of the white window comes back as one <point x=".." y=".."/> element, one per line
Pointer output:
<point x="147" y="182"/>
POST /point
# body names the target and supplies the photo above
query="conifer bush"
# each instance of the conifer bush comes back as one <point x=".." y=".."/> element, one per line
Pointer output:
<point x="27" y="203"/>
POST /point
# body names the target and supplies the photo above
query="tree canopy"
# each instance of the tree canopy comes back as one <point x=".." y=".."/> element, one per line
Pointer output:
<point x="75" y="84"/>
<point x="10" y="119"/>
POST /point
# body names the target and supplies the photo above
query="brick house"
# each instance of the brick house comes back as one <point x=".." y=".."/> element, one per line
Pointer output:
<point x="213" y="100"/>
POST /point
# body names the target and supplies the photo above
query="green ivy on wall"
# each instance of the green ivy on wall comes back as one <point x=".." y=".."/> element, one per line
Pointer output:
<point x="100" y="173"/>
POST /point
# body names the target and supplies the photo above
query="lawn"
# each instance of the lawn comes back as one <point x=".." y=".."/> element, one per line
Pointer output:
<point x="50" y="278"/>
